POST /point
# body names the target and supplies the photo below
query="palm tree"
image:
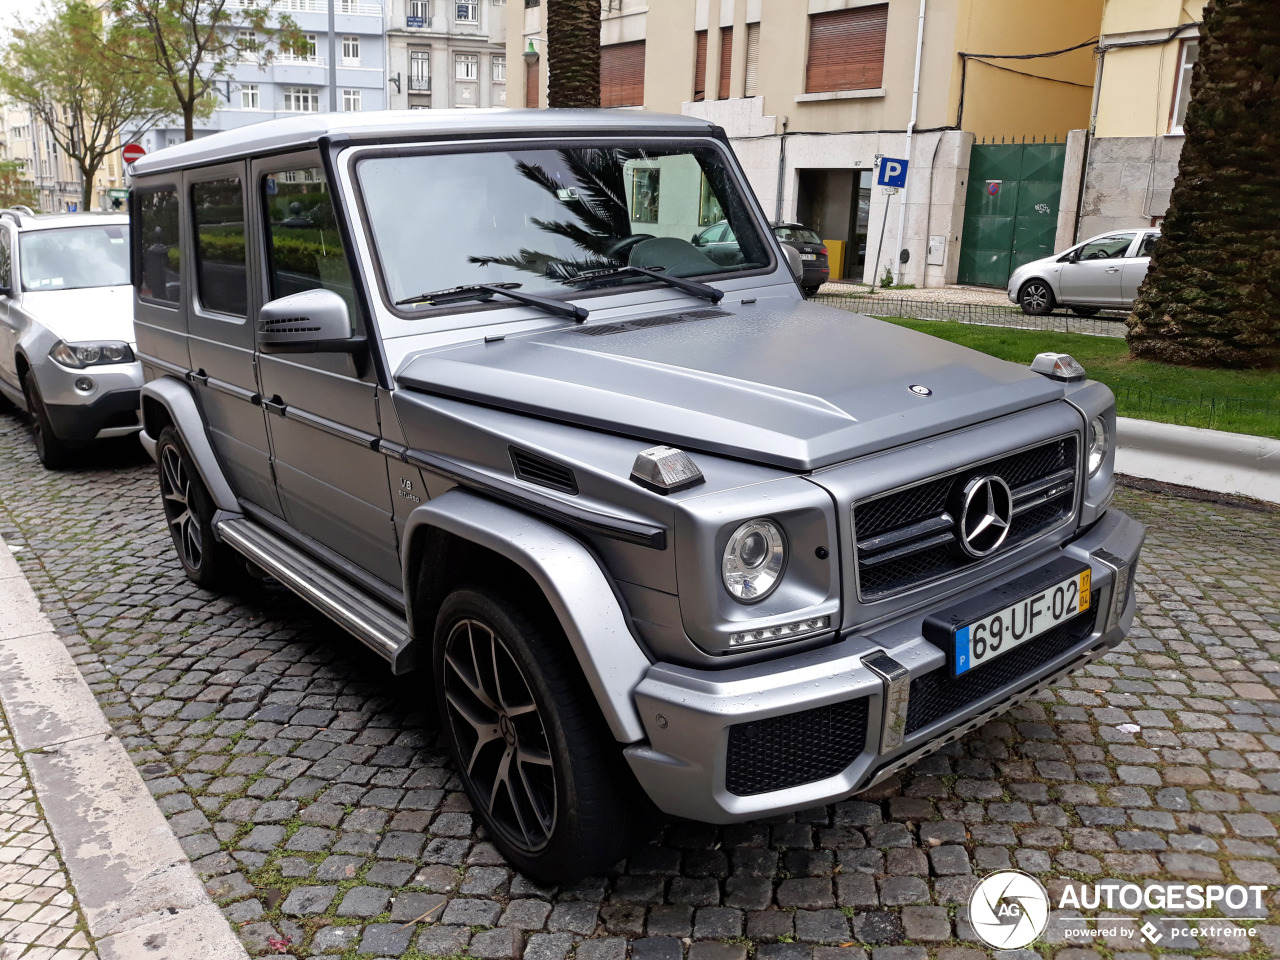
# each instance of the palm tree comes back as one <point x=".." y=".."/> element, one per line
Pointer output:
<point x="573" y="53"/>
<point x="1212" y="295"/>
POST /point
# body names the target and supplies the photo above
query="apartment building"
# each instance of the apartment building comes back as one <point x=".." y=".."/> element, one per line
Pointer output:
<point x="261" y="88"/>
<point x="815" y="94"/>
<point x="53" y="174"/>
<point x="447" y="53"/>
<point x="1146" y="54"/>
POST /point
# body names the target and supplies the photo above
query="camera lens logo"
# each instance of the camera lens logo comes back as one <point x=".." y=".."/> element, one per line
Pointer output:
<point x="1009" y="909"/>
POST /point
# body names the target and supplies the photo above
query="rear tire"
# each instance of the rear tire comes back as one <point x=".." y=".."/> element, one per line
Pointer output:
<point x="530" y="748"/>
<point x="188" y="512"/>
<point x="1036" y="298"/>
<point x="54" y="453"/>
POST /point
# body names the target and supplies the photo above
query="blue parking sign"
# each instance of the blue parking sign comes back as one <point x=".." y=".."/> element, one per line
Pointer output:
<point x="893" y="173"/>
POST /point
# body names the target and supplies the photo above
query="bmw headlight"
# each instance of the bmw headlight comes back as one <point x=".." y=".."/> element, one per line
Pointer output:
<point x="1099" y="444"/>
<point x="754" y="560"/>
<point x="92" y="354"/>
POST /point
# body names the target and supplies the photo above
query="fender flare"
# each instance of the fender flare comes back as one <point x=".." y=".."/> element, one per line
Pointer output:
<point x="570" y="578"/>
<point x="176" y="397"/>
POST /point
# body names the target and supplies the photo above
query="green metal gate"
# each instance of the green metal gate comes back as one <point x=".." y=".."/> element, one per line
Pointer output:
<point x="1011" y="209"/>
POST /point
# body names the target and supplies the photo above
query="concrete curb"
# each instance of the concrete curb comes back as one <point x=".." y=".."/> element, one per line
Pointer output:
<point x="137" y="890"/>
<point x="1205" y="459"/>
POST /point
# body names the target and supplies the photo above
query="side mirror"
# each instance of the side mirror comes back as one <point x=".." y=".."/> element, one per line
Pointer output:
<point x="314" y="321"/>
<point x="793" y="260"/>
<point x="1069" y="257"/>
<point x="696" y="240"/>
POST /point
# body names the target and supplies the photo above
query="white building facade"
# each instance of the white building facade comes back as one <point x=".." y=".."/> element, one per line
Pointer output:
<point x="446" y="53"/>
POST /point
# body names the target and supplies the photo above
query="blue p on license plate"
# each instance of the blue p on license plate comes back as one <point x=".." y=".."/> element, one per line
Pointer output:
<point x="983" y="640"/>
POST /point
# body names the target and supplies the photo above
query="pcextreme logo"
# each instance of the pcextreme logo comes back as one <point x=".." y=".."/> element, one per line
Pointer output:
<point x="1009" y="909"/>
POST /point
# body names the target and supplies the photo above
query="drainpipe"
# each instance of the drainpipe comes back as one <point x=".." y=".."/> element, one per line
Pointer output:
<point x="782" y="170"/>
<point x="915" y="103"/>
<point x="1088" y="140"/>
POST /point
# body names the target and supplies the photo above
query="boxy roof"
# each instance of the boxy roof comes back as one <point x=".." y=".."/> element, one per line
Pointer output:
<point x="275" y="136"/>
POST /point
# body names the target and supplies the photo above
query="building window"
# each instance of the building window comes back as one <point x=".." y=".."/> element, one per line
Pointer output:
<point x="753" y="60"/>
<point x="351" y="51"/>
<point x="726" y="62"/>
<point x="249" y="99"/>
<point x="247" y="42"/>
<point x="622" y="75"/>
<point x="499" y="68"/>
<point x="700" y="67"/>
<point x="466" y="66"/>
<point x="846" y="49"/>
<point x="419" y="13"/>
<point x="644" y="194"/>
<point x="301" y="100"/>
<point x="1182" y="95"/>
<point x="309" y="47"/>
<point x="466" y="11"/>
<point x="351" y="101"/>
<point x="420" y="71"/>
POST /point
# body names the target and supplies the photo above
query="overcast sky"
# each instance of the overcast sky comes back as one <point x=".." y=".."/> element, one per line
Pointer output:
<point x="11" y="10"/>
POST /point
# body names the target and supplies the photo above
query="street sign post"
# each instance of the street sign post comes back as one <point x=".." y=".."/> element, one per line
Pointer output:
<point x="132" y="152"/>
<point x="892" y="173"/>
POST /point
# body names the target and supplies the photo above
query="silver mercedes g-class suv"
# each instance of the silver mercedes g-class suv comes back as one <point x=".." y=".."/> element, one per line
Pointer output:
<point x="461" y="381"/>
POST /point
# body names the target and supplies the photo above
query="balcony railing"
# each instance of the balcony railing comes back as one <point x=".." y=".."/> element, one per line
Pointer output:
<point x="420" y="84"/>
<point x="360" y="8"/>
<point x="294" y="59"/>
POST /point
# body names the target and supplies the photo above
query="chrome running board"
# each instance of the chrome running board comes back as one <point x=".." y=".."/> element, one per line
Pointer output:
<point x="370" y="621"/>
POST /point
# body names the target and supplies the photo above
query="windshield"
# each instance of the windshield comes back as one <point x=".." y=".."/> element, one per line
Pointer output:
<point x="796" y="234"/>
<point x="541" y="218"/>
<point x="69" y="258"/>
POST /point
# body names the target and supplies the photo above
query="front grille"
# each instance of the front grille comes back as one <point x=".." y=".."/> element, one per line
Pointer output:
<point x="908" y="538"/>
<point x="795" y="748"/>
<point x="936" y="695"/>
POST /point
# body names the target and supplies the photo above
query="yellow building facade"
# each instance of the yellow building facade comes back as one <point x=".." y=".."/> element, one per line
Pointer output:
<point x="810" y="120"/>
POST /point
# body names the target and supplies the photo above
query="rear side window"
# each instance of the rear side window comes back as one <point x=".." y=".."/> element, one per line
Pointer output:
<point x="304" y="246"/>
<point x="157" y="256"/>
<point x="6" y="261"/>
<point x="217" y="206"/>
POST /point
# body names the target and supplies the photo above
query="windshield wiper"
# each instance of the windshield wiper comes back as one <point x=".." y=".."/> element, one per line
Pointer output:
<point x="703" y="290"/>
<point x="485" y="291"/>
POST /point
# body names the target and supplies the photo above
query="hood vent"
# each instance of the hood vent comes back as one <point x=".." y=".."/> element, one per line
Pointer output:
<point x="643" y="323"/>
<point x="532" y="468"/>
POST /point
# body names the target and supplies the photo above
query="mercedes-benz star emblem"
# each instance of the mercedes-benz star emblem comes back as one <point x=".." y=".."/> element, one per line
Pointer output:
<point x="920" y="390"/>
<point x="985" y="515"/>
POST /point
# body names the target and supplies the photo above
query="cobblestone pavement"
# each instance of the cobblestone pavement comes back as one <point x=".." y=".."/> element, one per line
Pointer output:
<point x="308" y="785"/>
<point x="38" y="915"/>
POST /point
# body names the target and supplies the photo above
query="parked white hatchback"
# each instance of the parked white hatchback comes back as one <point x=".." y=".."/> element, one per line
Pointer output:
<point x="1102" y="273"/>
<point x="66" y="328"/>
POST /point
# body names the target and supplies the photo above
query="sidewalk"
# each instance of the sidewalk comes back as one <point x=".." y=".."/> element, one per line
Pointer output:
<point x="952" y="293"/>
<point x="89" y="867"/>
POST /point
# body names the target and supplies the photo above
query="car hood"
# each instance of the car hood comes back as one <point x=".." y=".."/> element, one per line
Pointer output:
<point x="91" y="313"/>
<point x="801" y="387"/>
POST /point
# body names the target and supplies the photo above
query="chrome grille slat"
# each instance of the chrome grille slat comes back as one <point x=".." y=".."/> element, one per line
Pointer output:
<point x="907" y="536"/>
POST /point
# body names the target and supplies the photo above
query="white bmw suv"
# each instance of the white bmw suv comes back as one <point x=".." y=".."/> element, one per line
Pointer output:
<point x="66" y="328"/>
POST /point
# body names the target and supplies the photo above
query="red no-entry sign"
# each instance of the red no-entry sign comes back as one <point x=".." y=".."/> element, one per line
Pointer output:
<point x="132" y="152"/>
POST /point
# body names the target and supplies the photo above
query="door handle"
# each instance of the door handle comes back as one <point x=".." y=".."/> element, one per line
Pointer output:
<point x="275" y="405"/>
<point x="1113" y="269"/>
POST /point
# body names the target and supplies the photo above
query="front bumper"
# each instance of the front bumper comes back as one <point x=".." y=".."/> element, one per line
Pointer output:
<point x="688" y="713"/>
<point x="109" y="409"/>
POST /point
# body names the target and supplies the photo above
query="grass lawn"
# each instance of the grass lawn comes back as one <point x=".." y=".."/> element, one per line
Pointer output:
<point x="1240" y="401"/>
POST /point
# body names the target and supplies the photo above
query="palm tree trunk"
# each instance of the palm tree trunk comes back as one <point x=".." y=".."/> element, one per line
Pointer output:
<point x="1212" y="295"/>
<point x="573" y="53"/>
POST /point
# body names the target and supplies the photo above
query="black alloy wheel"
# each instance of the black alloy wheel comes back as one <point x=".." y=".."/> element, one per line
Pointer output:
<point x="501" y="736"/>
<point x="53" y="452"/>
<point x="175" y="488"/>
<point x="188" y="513"/>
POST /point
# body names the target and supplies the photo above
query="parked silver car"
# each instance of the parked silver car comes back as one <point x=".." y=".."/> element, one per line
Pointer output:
<point x="1102" y="273"/>
<point x="661" y="527"/>
<point x="66" y="328"/>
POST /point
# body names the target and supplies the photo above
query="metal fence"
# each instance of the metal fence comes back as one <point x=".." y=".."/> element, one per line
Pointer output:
<point x="1104" y="323"/>
<point x="1257" y="414"/>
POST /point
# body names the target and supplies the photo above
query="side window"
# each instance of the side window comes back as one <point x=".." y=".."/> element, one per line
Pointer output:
<point x="157" y="257"/>
<point x="217" y="207"/>
<point x="6" y="262"/>
<point x="1106" y="248"/>
<point x="1148" y="245"/>
<point x="304" y="247"/>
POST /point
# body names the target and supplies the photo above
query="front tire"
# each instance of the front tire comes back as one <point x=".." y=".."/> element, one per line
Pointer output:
<point x="188" y="512"/>
<point x="1036" y="298"/>
<point x="529" y="747"/>
<point x="54" y="453"/>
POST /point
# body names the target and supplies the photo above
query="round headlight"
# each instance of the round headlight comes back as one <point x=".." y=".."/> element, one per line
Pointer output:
<point x="1099" y="444"/>
<point x="753" y="560"/>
